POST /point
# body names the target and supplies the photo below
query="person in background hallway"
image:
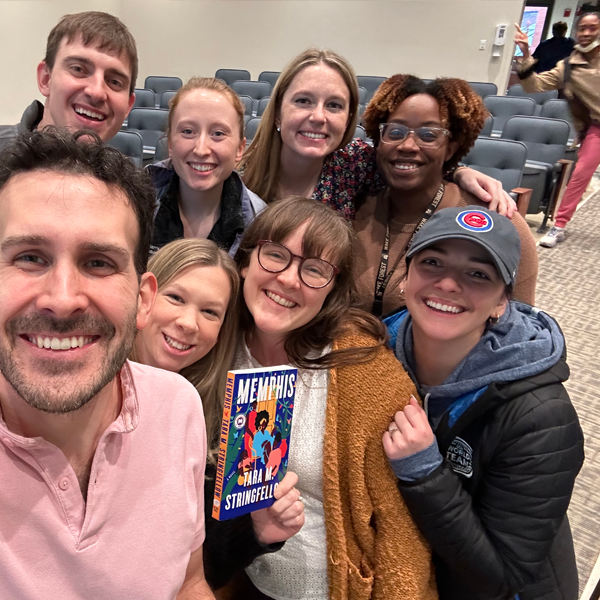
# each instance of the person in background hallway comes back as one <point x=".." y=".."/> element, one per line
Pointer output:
<point x="87" y="77"/>
<point x="579" y="78"/>
<point x="200" y="194"/>
<point x="192" y="330"/>
<point x="487" y="469"/>
<point x="550" y="51"/>
<point x="304" y="144"/>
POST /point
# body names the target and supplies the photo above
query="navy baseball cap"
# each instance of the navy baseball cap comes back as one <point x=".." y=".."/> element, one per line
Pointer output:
<point x="490" y="230"/>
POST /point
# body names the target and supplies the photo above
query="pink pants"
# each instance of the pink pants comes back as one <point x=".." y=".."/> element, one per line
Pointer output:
<point x="589" y="159"/>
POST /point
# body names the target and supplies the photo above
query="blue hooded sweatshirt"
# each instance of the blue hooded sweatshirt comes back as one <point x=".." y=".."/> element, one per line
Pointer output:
<point x="524" y="342"/>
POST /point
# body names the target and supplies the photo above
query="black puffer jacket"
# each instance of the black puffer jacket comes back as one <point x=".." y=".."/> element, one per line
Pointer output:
<point x="494" y="511"/>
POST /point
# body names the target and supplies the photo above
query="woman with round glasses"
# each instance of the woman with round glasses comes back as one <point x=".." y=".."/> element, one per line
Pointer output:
<point x="304" y="144"/>
<point x="420" y="130"/>
<point x="296" y="262"/>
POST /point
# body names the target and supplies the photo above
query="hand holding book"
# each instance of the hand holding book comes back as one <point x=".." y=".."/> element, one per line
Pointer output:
<point x="284" y="518"/>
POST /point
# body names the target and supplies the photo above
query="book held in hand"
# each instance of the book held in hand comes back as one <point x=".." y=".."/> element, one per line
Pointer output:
<point x="254" y="439"/>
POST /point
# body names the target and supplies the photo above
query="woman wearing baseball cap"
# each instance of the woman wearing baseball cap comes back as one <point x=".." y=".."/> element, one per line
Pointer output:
<point x="488" y="467"/>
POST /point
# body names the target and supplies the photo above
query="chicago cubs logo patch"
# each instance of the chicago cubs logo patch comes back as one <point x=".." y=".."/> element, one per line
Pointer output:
<point x="475" y="220"/>
<point x="460" y="456"/>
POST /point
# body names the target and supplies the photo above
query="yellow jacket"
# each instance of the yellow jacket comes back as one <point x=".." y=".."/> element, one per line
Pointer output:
<point x="375" y="551"/>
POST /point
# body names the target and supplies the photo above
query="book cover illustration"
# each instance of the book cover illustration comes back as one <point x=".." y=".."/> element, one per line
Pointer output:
<point x="254" y="439"/>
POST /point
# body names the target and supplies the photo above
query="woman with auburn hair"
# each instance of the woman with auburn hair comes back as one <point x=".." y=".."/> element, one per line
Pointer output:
<point x="200" y="194"/>
<point x="296" y="262"/>
<point x="304" y="144"/>
<point x="192" y="330"/>
<point x="420" y="131"/>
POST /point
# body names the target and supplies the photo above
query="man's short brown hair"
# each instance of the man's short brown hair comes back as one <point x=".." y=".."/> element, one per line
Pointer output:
<point x="99" y="29"/>
<point x="84" y="153"/>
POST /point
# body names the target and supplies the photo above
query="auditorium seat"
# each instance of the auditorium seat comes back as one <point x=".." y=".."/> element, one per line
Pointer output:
<point x="250" y="129"/>
<point x="486" y="130"/>
<point x="255" y="89"/>
<point x="503" y="160"/>
<point x="538" y="97"/>
<point x="162" y="150"/>
<point x="546" y="141"/>
<point x="247" y="102"/>
<point x="484" y="89"/>
<point x="270" y="77"/>
<point x="559" y="109"/>
<point x="164" y="99"/>
<point x="144" y="98"/>
<point x="370" y="83"/>
<point x="151" y="124"/>
<point x="131" y="144"/>
<point x="160" y="84"/>
<point x="504" y="107"/>
<point x="262" y="105"/>
<point x="231" y="75"/>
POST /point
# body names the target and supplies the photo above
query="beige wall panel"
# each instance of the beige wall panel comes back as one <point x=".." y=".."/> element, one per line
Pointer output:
<point x="24" y="28"/>
<point x="195" y="37"/>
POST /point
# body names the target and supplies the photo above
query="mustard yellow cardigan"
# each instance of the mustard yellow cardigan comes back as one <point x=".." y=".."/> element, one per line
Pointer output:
<point x="374" y="549"/>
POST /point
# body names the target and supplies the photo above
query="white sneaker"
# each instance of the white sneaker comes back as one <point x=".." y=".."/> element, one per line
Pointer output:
<point x="555" y="235"/>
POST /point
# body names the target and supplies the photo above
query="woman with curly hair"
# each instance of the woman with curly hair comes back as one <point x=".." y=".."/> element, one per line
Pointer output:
<point x="420" y="130"/>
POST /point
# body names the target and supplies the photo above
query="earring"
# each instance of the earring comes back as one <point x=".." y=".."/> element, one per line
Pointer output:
<point x="278" y="128"/>
<point x="493" y="320"/>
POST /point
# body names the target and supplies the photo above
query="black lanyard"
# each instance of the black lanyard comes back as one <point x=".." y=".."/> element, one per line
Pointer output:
<point x="383" y="276"/>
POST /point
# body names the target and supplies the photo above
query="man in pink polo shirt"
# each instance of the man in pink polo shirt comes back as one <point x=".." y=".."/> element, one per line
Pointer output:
<point x="101" y="460"/>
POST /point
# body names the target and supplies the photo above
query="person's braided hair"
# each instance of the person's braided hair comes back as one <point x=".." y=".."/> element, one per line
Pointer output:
<point x="462" y="111"/>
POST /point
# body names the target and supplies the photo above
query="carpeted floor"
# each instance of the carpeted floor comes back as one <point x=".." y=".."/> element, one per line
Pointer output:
<point x="569" y="289"/>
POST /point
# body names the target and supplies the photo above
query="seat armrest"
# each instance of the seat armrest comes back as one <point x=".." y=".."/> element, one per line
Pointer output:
<point x="523" y="196"/>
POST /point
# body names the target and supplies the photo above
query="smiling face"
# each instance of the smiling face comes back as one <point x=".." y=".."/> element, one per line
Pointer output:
<point x="205" y="143"/>
<point x="69" y="294"/>
<point x="314" y="113"/>
<point x="186" y="319"/>
<point x="86" y="89"/>
<point x="406" y="166"/>
<point x="588" y="30"/>
<point x="279" y="302"/>
<point x="451" y="290"/>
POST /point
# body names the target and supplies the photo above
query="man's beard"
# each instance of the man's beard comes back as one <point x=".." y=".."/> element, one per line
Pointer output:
<point x="53" y="387"/>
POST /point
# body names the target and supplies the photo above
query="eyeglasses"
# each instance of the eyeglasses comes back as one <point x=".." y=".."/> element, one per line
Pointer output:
<point x="425" y="137"/>
<point x="314" y="272"/>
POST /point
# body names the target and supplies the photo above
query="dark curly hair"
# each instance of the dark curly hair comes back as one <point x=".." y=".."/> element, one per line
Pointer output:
<point x="461" y="109"/>
<point x="53" y="149"/>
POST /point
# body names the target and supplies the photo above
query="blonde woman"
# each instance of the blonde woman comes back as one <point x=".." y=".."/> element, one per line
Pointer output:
<point x="304" y="144"/>
<point x="192" y="331"/>
<point x="200" y="194"/>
